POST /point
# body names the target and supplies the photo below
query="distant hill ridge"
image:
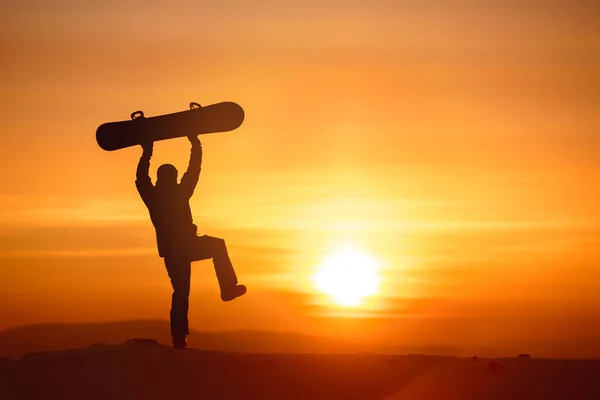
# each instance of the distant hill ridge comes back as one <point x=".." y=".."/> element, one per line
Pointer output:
<point x="18" y="341"/>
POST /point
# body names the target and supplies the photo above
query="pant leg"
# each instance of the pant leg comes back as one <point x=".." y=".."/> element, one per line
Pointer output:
<point x="180" y="273"/>
<point x="205" y="247"/>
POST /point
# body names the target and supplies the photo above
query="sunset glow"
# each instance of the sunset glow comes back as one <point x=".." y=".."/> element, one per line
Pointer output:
<point x="459" y="135"/>
<point x="348" y="276"/>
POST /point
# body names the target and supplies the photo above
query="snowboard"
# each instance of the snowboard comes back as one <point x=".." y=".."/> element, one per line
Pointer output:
<point x="198" y="120"/>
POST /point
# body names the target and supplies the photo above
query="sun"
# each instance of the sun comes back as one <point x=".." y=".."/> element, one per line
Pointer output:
<point x="348" y="276"/>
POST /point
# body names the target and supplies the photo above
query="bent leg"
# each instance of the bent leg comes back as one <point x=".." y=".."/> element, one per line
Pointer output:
<point x="206" y="247"/>
<point x="180" y="273"/>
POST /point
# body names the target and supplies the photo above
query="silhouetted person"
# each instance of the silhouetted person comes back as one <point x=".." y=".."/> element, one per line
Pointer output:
<point x="168" y="203"/>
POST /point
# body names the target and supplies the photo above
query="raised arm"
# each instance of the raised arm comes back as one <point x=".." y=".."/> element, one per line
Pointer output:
<point x="190" y="178"/>
<point x="143" y="181"/>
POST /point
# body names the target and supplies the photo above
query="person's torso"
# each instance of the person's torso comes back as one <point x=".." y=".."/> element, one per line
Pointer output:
<point x="172" y="218"/>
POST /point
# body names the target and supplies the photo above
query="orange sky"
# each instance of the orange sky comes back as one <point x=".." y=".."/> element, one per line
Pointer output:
<point x="456" y="143"/>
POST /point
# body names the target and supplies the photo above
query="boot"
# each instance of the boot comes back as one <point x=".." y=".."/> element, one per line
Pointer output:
<point x="179" y="342"/>
<point x="235" y="292"/>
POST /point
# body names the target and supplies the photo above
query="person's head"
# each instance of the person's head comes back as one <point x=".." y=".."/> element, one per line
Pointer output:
<point x="166" y="174"/>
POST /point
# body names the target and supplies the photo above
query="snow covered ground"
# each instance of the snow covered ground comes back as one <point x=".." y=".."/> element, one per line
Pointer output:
<point x="144" y="369"/>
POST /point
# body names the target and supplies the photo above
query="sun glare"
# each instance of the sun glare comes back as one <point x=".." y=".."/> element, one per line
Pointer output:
<point x="348" y="276"/>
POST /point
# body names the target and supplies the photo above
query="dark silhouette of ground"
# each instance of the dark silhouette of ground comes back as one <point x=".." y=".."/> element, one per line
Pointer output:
<point x="144" y="369"/>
